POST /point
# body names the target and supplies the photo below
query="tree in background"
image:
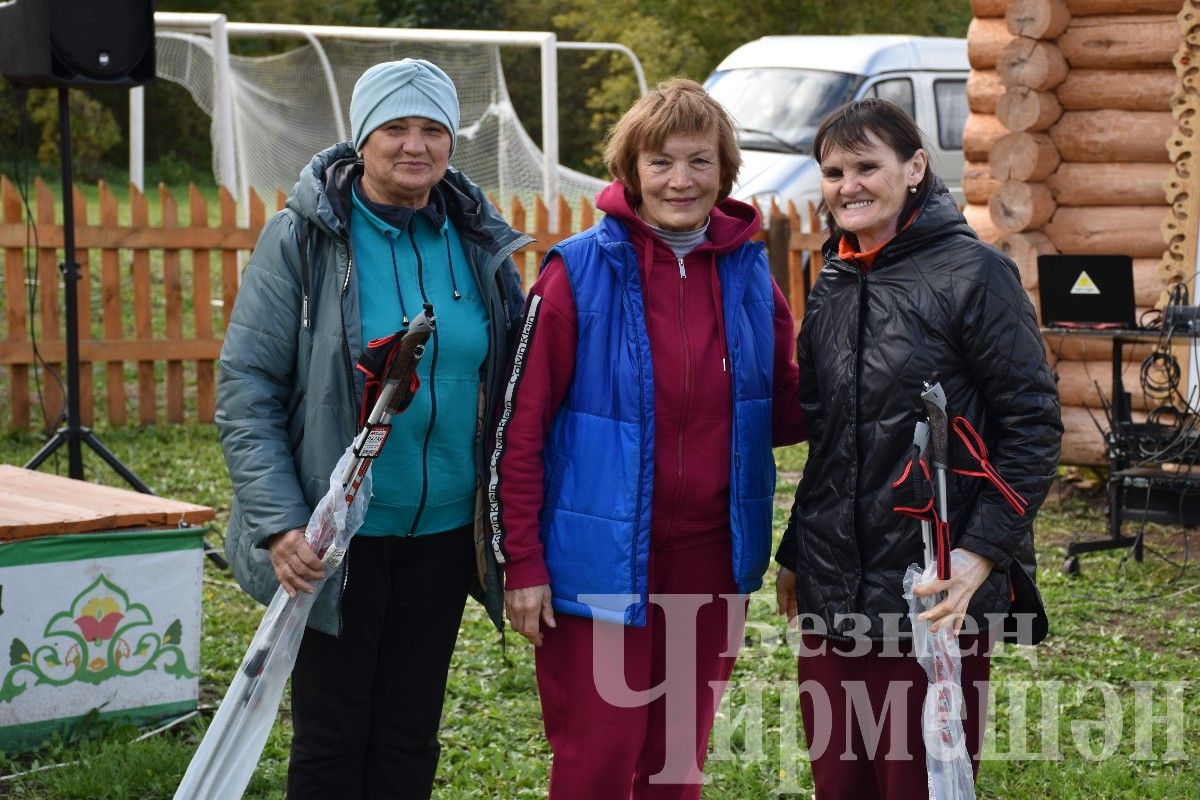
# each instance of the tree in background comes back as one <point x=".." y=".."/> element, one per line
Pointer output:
<point x="94" y="130"/>
<point x="449" y="14"/>
<point x="671" y="37"/>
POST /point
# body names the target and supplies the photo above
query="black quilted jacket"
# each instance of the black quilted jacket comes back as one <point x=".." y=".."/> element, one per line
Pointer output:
<point x="936" y="301"/>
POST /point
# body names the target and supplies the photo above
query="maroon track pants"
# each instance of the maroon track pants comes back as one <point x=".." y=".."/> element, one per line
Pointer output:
<point x="604" y="751"/>
<point x="862" y="717"/>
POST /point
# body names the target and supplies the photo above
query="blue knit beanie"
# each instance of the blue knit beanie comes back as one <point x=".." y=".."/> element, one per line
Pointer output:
<point x="411" y="87"/>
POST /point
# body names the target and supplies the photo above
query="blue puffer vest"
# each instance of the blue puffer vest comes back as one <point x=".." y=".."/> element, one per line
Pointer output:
<point x="599" y="456"/>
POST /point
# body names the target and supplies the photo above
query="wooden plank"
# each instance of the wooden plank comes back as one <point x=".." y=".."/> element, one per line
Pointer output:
<point x="50" y="234"/>
<point x="564" y="216"/>
<point x="258" y="211"/>
<point x="104" y="351"/>
<point x="202" y="304"/>
<point x="173" y="297"/>
<point x="229" y="260"/>
<point x="11" y="211"/>
<point x="110" y="291"/>
<point x="143" y="326"/>
<point x="47" y="290"/>
<point x="517" y="220"/>
<point x="37" y="503"/>
<point x="83" y="316"/>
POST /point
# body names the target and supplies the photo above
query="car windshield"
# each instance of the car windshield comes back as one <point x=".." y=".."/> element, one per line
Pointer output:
<point x="779" y="109"/>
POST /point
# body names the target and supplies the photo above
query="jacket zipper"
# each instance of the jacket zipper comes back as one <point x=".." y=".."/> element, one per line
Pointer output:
<point x="858" y="334"/>
<point x="432" y="394"/>
<point x="350" y="376"/>
<point x="687" y="387"/>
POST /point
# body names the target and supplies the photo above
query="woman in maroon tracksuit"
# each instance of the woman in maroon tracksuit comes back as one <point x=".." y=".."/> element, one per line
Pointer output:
<point x="614" y="731"/>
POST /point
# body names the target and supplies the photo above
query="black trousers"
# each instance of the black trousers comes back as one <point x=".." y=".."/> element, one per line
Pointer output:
<point x="366" y="705"/>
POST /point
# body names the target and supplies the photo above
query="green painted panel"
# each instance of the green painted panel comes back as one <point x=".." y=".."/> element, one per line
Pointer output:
<point x="86" y="546"/>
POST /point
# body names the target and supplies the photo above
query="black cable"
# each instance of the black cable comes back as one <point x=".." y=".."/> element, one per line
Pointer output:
<point x="21" y="178"/>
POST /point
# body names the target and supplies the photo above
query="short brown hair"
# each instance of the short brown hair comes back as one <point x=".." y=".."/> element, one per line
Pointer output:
<point x="672" y="107"/>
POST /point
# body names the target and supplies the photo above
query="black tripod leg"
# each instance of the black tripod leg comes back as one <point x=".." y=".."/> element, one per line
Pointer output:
<point x="56" y="441"/>
<point x="90" y="438"/>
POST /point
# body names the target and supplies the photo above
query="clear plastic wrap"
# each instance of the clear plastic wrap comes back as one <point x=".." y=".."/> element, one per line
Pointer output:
<point x="946" y="757"/>
<point x="226" y="759"/>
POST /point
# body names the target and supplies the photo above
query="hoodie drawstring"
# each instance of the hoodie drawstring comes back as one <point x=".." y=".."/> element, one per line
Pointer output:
<point x="450" y="263"/>
<point x="396" y="274"/>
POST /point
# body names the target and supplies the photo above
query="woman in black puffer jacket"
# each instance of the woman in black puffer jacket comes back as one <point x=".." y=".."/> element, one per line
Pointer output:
<point x="908" y="294"/>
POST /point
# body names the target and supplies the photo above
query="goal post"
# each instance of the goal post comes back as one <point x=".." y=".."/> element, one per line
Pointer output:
<point x="270" y="114"/>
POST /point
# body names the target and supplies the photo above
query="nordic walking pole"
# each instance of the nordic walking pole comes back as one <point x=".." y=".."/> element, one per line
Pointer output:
<point x="921" y="443"/>
<point x="934" y="398"/>
<point x="228" y="754"/>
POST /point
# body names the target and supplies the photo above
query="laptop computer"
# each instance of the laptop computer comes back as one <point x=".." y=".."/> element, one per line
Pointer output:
<point x="1093" y="292"/>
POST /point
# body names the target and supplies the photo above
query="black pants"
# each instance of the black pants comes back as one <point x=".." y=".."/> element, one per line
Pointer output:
<point x="366" y="705"/>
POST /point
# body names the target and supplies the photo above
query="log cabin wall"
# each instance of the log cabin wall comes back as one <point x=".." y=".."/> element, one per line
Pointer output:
<point x="1067" y="152"/>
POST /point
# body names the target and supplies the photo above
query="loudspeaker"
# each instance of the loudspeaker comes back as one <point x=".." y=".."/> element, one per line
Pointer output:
<point x="77" y="42"/>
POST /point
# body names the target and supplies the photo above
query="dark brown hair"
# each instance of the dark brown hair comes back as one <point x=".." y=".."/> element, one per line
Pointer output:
<point x="847" y="127"/>
<point x="676" y="106"/>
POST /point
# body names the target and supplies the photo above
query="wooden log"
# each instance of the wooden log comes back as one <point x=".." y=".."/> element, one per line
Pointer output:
<point x="1028" y="62"/>
<point x="1130" y="184"/>
<point x="1078" y="381"/>
<point x="1061" y="347"/>
<point x="984" y="89"/>
<point x="1149" y="283"/>
<point x="986" y="38"/>
<point x="981" y="222"/>
<point x="1127" y="90"/>
<point x="1022" y="109"/>
<point x="1023" y="157"/>
<point x="1024" y="248"/>
<point x="1099" y="136"/>
<point x="988" y="8"/>
<point x="1129" y="230"/>
<point x="980" y="133"/>
<point x="1121" y="42"/>
<point x="1092" y="8"/>
<point x="1037" y="19"/>
<point x="1082" y="442"/>
<point x="1020" y="206"/>
<point x="978" y="183"/>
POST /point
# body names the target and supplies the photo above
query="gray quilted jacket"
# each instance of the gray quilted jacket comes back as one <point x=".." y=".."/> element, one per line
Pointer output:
<point x="288" y="395"/>
<point x="936" y="302"/>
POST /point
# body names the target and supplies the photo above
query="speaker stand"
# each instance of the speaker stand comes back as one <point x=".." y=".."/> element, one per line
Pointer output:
<point x="74" y="434"/>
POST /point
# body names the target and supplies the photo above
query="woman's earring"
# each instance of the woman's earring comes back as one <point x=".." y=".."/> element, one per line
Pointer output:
<point x="912" y="190"/>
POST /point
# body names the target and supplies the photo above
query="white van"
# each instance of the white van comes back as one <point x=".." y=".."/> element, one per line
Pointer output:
<point x="779" y="88"/>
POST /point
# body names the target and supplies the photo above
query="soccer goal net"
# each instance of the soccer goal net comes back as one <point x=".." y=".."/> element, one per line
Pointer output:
<point x="283" y="108"/>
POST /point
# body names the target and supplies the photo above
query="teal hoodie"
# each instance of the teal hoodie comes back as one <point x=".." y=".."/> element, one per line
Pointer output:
<point x="288" y="398"/>
<point x="405" y="260"/>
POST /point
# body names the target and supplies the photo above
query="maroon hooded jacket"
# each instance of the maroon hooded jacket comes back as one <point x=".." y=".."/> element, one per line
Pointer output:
<point x="692" y="389"/>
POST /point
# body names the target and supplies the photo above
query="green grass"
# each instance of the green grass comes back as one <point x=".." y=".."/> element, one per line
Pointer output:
<point x="1117" y="624"/>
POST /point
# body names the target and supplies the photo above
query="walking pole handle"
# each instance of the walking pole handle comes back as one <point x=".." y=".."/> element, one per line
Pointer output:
<point x="934" y="398"/>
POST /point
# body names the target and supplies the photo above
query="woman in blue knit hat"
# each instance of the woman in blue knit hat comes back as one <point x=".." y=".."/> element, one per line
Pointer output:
<point x="374" y="229"/>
